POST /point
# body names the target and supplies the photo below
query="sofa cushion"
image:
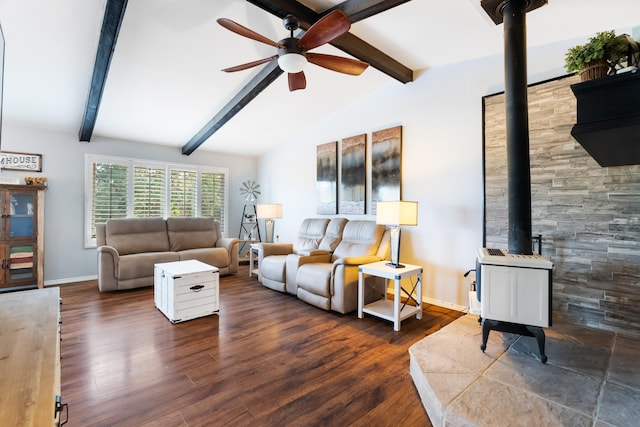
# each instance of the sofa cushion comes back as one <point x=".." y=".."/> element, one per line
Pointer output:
<point x="333" y="235"/>
<point x="319" y="301"/>
<point x="359" y="238"/>
<point x="191" y="233"/>
<point x="310" y="234"/>
<point x="273" y="267"/>
<point x="314" y="284"/>
<point x="315" y="278"/>
<point x="136" y="235"/>
<point x="141" y="265"/>
<point x="217" y="257"/>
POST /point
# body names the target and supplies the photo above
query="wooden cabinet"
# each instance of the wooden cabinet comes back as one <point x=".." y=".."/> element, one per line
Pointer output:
<point x="21" y="236"/>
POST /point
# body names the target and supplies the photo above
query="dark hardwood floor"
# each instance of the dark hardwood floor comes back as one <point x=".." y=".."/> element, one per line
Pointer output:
<point x="267" y="359"/>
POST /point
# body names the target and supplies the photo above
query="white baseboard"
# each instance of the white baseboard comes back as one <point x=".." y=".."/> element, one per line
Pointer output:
<point x="432" y="301"/>
<point x="69" y="280"/>
<point x="445" y="304"/>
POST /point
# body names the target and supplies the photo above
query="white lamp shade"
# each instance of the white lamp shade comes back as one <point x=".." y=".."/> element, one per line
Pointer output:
<point x="269" y="211"/>
<point x="397" y="213"/>
<point x="292" y="62"/>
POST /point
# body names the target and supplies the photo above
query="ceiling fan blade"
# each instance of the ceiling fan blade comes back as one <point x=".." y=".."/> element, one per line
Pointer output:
<point x="244" y="31"/>
<point x="250" y="64"/>
<point x="338" y="63"/>
<point x="297" y="81"/>
<point x="325" y="29"/>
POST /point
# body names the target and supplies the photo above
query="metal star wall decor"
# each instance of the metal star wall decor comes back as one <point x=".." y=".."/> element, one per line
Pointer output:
<point x="250" y="190"/>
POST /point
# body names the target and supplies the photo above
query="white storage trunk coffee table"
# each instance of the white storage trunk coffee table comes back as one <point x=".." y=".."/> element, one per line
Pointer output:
<point x="185" y="290"/>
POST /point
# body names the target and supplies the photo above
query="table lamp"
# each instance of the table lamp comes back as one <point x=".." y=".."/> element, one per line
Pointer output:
<point x="269" y="213"/>
<point x="395" y="214"/>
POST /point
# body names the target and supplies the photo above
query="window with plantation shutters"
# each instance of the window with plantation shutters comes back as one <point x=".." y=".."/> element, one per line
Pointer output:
<point x="182" y="193"/>
<point x="109" y="186"/>
<point x="149" y="194"/>
<point x="118" y="188"/>
<point x="212" y="196"/>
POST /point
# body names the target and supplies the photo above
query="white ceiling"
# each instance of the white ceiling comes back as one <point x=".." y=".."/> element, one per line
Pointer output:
<point x="165" y="82"/>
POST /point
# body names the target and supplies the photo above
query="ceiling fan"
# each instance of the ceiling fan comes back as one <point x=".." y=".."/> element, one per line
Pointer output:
<point x="293" y="53"/>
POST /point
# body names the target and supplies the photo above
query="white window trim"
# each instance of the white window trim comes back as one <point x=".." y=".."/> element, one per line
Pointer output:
<point x="90" y="159"/>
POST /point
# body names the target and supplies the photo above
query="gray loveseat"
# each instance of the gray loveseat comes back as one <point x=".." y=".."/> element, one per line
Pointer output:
<point x="332" y="283"/>
<point x="128" y="248"/>
<point x="321" y="269"/>
<point x="279" y="262"/>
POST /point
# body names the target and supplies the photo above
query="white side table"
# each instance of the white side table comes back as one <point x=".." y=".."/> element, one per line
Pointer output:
<point x="387" y="309"/>
<point x="254" y="258"/>
<point x="185" y="290"/>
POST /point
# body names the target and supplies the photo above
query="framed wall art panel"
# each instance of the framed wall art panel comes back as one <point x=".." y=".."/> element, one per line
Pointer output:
<point x="386" y="165"/>
<point x="353" y="182"/>
<point x="327" y="178"/>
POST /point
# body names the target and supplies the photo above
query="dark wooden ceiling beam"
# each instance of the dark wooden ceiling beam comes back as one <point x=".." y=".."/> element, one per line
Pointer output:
<point x="348" y="43"/>
<point x="357" y="10"/>
<point x="281" y="8"/>
<point x="113" y="16"/>
<point x="362" y="9"/>
<point x="260" y="81"/>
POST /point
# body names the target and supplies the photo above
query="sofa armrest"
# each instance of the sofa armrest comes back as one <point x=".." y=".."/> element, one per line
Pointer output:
<point x="314" y="258"/>
<point x="108" y="257"/>
<point x="227" y="242"/>
<point x="275" y="248"/>
<point x="231" y="244"/>
<point x="356" y="260"/>
<point x="295" y="261"/>
<point x="314" y="252"/>
<point x="344" y="282"/>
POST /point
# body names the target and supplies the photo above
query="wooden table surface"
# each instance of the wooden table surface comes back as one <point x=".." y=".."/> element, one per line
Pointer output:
<point x="29" y="357"/>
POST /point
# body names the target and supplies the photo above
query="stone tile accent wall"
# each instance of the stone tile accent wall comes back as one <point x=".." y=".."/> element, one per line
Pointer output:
<point x="589" y="216"/>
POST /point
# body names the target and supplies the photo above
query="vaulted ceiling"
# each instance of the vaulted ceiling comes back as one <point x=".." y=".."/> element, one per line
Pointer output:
<point x="164" y="83"/>
<point x="305" y="18"/>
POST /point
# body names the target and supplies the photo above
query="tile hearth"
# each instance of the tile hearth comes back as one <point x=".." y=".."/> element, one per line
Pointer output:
<point x="592" y="377"/>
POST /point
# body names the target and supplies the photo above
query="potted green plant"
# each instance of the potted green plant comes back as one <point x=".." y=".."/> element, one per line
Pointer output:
<point x="603" y="52"/>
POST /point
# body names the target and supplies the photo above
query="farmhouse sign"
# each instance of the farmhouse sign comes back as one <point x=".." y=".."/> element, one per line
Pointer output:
<point x="10" y="160"/>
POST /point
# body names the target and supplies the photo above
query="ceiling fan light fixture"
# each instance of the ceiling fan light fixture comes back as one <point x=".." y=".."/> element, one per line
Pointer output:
<point x="292" y="62"/>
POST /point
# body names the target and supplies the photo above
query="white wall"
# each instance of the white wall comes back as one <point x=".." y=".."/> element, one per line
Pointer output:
<point x="63" y="159"/>
<point x="442" y="169"/>
<point x="441" y="115"/>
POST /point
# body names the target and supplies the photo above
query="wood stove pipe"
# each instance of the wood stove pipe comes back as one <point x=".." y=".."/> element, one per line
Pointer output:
<point x="513" y="14"/>
<point x="517" y="123"/>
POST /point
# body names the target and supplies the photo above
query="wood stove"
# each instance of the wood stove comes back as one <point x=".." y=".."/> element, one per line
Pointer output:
<point x="514" y="286"/>
<point x="515" y="294"/>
